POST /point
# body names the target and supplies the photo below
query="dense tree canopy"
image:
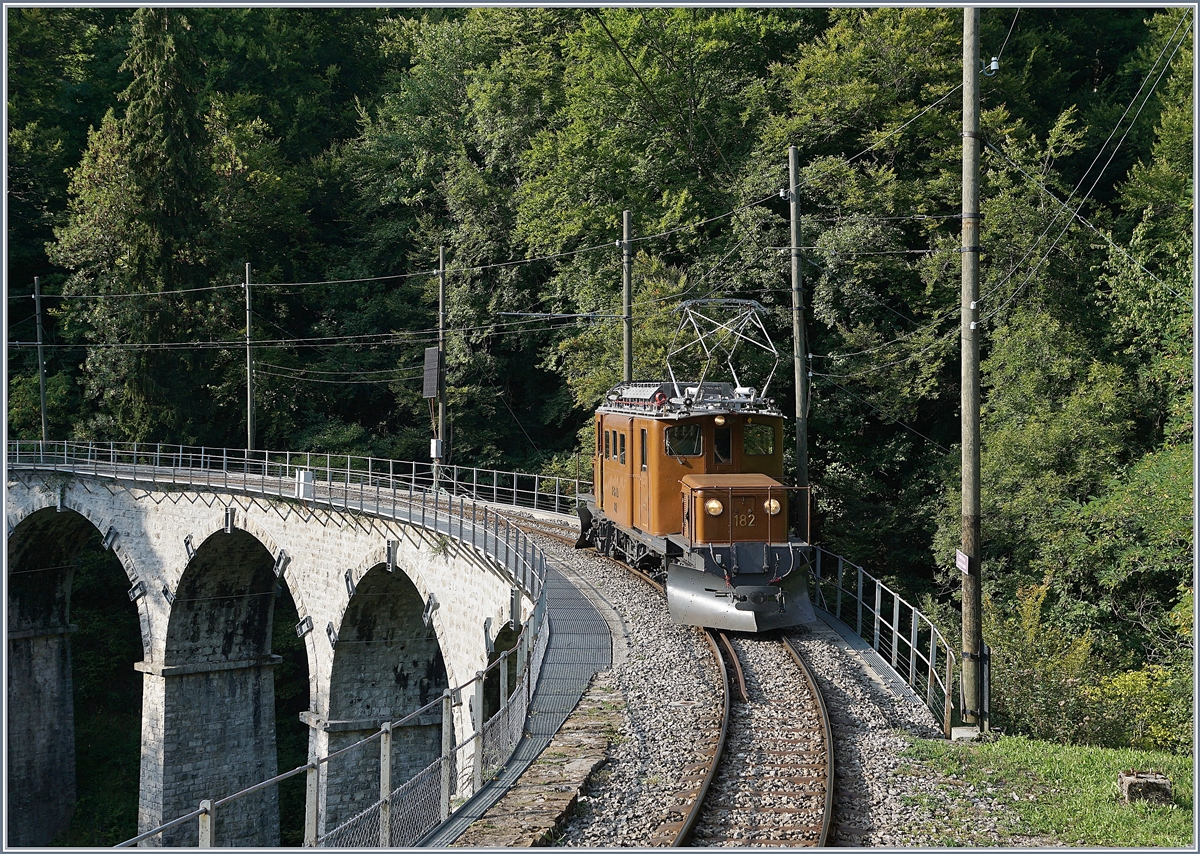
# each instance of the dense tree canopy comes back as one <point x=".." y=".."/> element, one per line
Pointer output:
<point x="154" y="152"/>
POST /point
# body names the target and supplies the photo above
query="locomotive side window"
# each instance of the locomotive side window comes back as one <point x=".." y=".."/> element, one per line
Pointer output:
<point x="621" y="458"/>
<point x="758" y="440"/>
<point x="723" y="444"/>
<point x="606" y="455"/>
<point x="684" y="440"/>
<point x="643" y="449"/>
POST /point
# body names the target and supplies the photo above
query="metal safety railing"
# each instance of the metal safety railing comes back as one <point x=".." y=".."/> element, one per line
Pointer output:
<point x="905" y="638"/>
<point x="405" y="815"/>
<point x="400" y="816"/>
<point x="533" y="491"/>
<point x="491" y="486"/>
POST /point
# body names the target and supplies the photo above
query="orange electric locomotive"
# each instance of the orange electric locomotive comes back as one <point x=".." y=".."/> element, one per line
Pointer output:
<point x="687" y="480"/>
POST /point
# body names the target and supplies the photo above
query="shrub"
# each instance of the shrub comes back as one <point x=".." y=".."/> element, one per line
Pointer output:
<point x="1038" y="672"/>
<point x="1147" y="709"/>
<point x="1048" y="685"/>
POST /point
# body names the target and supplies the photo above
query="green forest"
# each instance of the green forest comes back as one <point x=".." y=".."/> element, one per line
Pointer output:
<point x="154" y="153"/>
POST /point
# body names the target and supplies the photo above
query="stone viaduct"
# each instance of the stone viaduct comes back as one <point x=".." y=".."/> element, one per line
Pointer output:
<point x="392" y="611"/>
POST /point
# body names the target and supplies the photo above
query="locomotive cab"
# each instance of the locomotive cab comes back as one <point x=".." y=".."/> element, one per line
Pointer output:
<point x="689" y="483"/>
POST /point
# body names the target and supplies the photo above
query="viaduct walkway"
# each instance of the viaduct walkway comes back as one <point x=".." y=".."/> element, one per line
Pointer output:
<point x="423" y="614"/>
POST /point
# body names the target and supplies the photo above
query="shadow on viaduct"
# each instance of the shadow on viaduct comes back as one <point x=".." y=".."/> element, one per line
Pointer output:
<point x="203" y="568"/>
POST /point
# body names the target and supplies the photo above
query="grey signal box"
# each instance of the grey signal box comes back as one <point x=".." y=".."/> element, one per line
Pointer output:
<point x="433" y="372"/>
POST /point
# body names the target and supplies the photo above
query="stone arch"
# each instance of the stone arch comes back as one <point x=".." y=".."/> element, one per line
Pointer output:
<point x="44" y="546"/>
<point x="281" y="560"/>
<point x="214" y="694"/>
<point x="387" y="663"/>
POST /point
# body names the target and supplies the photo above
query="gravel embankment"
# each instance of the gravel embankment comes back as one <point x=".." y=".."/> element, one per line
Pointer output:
<point x="881" y="799"/>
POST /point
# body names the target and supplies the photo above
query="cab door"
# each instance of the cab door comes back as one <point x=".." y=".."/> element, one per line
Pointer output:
<point x="641" y="476"/>
<point x="622" y="486"/>
<point x="723" y="452"/>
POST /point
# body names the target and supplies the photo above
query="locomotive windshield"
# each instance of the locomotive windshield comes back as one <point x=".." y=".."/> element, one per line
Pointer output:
<point x="758" y="440"/>
<point x="684" y="440"/>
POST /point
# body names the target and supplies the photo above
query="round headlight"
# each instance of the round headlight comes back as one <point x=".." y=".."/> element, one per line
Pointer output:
<point x="771" y="505"/>
<point x="719" y="421"/>
<point x="714" y="507"/>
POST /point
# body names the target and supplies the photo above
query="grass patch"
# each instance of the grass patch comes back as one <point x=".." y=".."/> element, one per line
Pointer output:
<point x="1069" y="793"/>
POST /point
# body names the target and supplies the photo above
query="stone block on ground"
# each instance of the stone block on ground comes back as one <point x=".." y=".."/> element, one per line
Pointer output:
<point x="1144" y="786"/>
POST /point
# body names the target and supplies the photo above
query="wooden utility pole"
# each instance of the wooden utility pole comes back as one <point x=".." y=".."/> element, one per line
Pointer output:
<point x="798" y="346"/>
<point x="441" y="426"/>
<point x="249" y="371"/>
<point x="37" y="301"/>
<point x="627" y="293"/>
<point x="969" y="557"/>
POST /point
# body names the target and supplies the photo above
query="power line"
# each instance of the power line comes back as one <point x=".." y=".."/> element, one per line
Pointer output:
<point x="1100" y="174"/>
<point x="877" y="368"/>
<point x="331" y="373"/>
<point x="133" y="293"/>
<point x="376" y="383"/>
<point x="890" y="418"/>
<point x="1079" y="217"/>
<point x="1092" y="165"/>
<point x="1010" y="32"/>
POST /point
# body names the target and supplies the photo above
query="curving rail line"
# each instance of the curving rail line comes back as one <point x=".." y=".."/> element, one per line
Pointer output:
<point x="820" y="768"/>
<point x="826" y="734"/>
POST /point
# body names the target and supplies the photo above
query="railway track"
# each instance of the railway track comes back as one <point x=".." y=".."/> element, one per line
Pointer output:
<point x="774" y="788"/>
<point x="763" y="775"/>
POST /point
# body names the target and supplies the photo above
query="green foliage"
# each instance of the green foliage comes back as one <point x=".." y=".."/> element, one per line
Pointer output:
<point x="1147" y="709"/>
<point x="1051" y="685"/>
<point x="1039" y="672"/>
<point x="1127" y="554"/>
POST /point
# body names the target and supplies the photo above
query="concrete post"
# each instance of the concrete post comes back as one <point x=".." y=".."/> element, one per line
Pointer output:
<point x="385" y="785"/>
<point x="972" y="635"/>
<point x="312" y="801"/>
<point x="798" y="344"/>
<point x="447" y="749"/>
<point x="206" y="832"/>
<point x="37" y="296"/>
<point x="627" y="296"/>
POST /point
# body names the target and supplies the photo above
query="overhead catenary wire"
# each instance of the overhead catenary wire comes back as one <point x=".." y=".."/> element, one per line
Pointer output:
<point x="1085" y="222"/>
<point x="380" y="340"/>
<point x="1099" y="153"/>
<point x="1100" y="174"/>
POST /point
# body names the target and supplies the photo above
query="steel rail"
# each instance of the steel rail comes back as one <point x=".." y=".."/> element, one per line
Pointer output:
<point x="737" y="666"/>
<point x="693" y="815"/>
<point x="827" y="730"/>
<point x="715" y="642"/>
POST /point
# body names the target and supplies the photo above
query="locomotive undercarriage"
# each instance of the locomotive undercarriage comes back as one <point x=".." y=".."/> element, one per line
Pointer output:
<point x="745" y="587"/>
